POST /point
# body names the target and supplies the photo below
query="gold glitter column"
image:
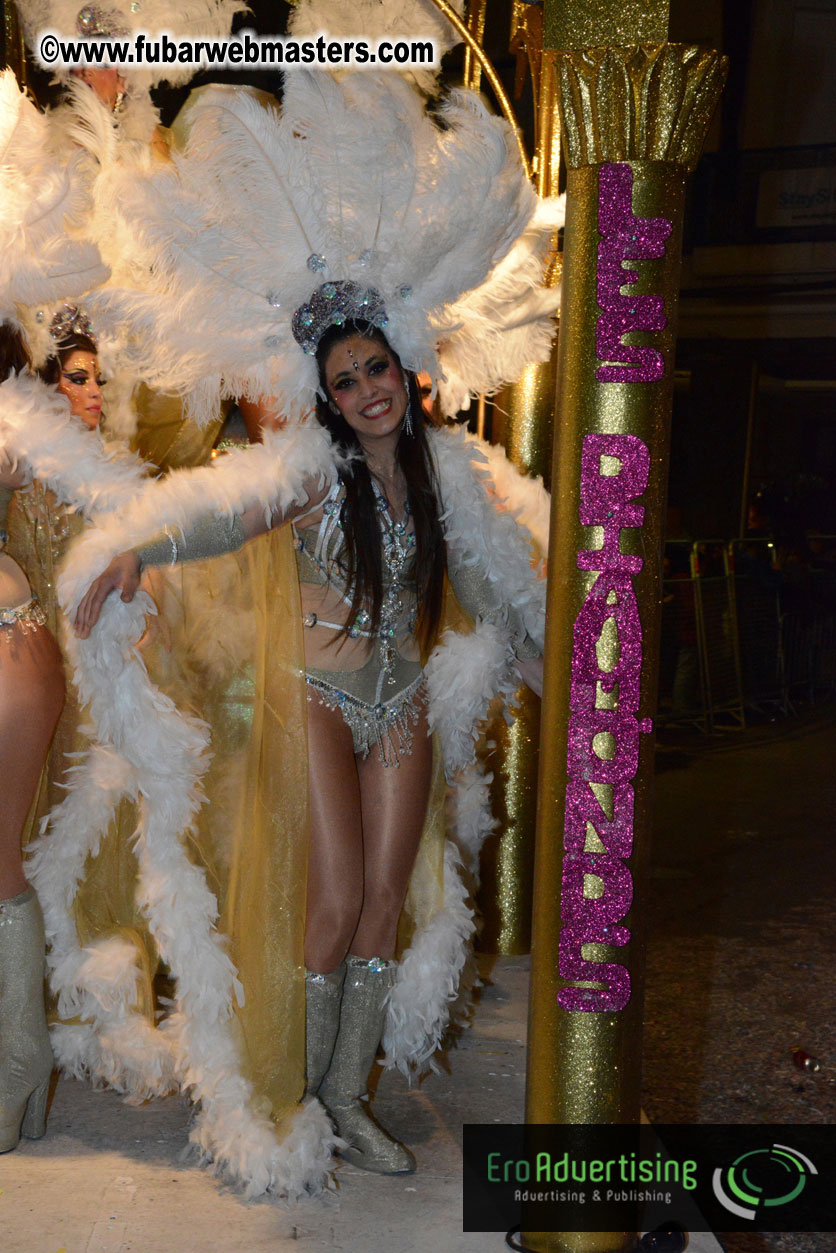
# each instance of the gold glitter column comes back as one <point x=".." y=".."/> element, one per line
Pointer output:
<point x="523" y="422"/>
<point x="634" y="119"/>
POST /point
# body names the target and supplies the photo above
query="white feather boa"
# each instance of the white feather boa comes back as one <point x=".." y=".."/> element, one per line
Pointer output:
<point x="115" y="1044"/>
<point x="38" y="432"/>
<point x="162" y="754"/>
<point x="464" y="674"/>
<point x="39" y="435"/>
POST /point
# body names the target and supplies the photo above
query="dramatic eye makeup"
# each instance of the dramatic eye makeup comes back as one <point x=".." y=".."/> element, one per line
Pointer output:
<point x="79" y="378"/>
<point x="374" y="366"/>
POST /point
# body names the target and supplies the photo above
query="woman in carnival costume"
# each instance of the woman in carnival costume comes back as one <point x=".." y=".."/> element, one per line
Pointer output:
<point x="371" y="234"/>
<point x="104" y="120"/>
<point x="45" y="447"/>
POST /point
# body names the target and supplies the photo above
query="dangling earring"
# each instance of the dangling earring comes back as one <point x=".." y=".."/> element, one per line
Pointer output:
<point x="407" y="417"/>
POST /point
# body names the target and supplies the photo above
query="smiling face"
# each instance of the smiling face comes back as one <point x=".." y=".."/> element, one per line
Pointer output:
<point x="81" y="383"/>
<point x="366" y="384"/>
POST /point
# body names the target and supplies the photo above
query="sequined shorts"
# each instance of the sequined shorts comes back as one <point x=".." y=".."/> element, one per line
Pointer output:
<point x="28" y="616"/>
<point x="388" y="724"/>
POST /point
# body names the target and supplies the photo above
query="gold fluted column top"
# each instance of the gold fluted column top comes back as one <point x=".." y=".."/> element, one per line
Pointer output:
<point x="652" y="102"/>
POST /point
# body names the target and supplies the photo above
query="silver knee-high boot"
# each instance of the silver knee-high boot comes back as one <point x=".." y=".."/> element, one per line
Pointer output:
<point x="323" y="994"/>
<point x="344" y="1086"/>
<point x="25" y="1055"/>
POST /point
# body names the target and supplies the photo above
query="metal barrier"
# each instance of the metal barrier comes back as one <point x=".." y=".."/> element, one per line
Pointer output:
<point x="682" y="680"/>
<point x="719" y="638"/>
<point x="756" y="588"/>
<point x="745" y="628"/>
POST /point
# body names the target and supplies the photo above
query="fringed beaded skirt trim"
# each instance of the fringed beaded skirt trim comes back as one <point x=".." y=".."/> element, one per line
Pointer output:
<point x="387" y="724"/>
<point x="28" y="616"/>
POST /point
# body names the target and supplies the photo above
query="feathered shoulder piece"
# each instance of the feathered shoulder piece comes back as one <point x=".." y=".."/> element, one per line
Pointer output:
<point x="491" y="514"/>
<point x="39" y="205"/>
<point x="38" y="433"/>
<point x="355" y="198"/>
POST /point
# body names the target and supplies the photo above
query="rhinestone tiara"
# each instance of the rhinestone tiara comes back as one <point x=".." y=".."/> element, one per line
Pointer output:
<point x="70" y="321"/>
<point x="334" y="304"/>
<point x="93" y="22"/>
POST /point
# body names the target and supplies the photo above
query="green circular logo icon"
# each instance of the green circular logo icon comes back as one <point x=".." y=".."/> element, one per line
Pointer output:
<point x="762" y="1179"/>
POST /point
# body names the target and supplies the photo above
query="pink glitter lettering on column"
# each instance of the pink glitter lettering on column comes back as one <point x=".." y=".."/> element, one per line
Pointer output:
<point x="624" y="236"/>
<point x="583" y="806"/>
<point x="611" y="596"/>
<point x="573" y="965"/>
<point x="607" y="501"/>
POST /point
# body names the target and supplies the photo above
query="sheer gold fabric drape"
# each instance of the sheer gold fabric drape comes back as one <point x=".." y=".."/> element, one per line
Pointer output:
<point x="228" y="647"/>
<point x="40" y="531"/>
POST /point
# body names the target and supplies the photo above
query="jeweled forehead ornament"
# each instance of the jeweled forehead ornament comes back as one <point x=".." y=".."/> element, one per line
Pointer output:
<point x="70" y="321"/>
<point x="334" y="304"/>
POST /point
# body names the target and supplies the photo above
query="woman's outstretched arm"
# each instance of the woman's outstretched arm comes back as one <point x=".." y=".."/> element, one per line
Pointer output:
<point x="211" y="536"/>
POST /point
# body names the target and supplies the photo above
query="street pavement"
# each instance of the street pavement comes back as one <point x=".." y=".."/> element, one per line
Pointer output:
<point x="741" y="945"/>
<point x="742" y="935"/>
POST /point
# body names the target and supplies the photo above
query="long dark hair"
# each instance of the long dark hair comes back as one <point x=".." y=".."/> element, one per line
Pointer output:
<point x="50" y="371"/>
<point x="359" y="517"/>
<point x="13" y="354"/>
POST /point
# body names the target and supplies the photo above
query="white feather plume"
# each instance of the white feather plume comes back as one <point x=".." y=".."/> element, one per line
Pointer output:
<point x="422" y="209"/>
<point x="39" y="206"/>
<point x="371" y="20"/>
<point x="507" y="323"/>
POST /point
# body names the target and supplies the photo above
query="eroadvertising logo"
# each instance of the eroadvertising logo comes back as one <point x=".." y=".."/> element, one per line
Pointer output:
<point x="762" y="1179"/>
<point x="741" y="1177"/>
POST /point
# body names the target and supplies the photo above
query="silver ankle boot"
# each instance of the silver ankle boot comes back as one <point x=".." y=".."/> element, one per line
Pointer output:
<point x="323" y="994"/>
<point x="25" y="1055"/>
<point x="361" y="1026"/>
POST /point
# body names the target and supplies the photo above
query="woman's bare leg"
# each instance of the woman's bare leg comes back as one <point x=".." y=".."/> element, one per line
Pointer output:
<point x="31" y="698"/>
<point x="393" y="804"/>
<point x="335" y="861"/>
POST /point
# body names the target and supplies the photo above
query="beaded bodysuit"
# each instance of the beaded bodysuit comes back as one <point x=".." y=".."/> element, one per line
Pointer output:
<point x="374" y="679"/>
<point x="18" y="607"/>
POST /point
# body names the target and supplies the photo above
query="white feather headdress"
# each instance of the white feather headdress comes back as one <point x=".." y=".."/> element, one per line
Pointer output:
<point x="355" y="181"/>
<point x="180" y="18"/>
<point x="87" y="139"/>
<point x="39" y="204"/>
